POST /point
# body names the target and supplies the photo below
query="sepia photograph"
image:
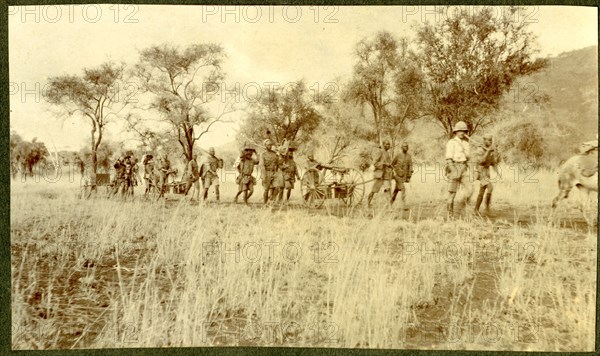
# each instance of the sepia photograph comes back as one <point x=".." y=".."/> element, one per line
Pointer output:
<point x="340" y="177"/>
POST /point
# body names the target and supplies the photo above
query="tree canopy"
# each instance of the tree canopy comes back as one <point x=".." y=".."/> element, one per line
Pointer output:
<point x="182" y="83"/>
<point x="387" y="79"/>
<point x="470" y="59"/>
<point x="282" y="113"/>
<point x="25" y="154"/>
<point x="95" y="95"/>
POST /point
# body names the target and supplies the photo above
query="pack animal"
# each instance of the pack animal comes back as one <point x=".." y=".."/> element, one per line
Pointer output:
<point x="571" y="174"/>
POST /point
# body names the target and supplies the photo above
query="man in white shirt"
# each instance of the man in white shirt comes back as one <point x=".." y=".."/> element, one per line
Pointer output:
<point x="457" y="158"/>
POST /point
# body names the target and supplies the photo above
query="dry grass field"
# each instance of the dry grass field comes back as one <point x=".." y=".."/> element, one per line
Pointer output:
<point x="101" y="273"/>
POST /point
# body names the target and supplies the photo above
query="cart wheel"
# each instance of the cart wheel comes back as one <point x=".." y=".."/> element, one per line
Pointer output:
<point x="85" y="192"/>
<point x="313" y="193"/>
<point x="106" y="191"/>
<point x="112" y="190"/>
<point x="150" y="193"/>
<point x="85" y="188"/>
<point x="356" y="187"/>
<point x="155" y="191"/>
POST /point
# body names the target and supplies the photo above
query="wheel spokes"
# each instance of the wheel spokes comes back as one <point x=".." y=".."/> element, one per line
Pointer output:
<point x="312" y="190"/>
<point x="355" y="187"/>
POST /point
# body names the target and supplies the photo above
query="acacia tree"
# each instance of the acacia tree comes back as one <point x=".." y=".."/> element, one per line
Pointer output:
<point x="15" y="141"/>
<point x="26" y="154"/>
<point x="182" y="83"/>
<point x="387" y="79"/>
<point x="282" y="113"/>
<point x="470" y="59"/>
<point x="96" y="95"/>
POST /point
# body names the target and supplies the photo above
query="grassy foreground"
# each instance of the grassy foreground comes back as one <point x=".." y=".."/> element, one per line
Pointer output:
<point x="106" y="273"/>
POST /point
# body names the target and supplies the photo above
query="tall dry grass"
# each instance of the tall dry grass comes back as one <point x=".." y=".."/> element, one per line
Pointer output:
<point x="111" y="273"/>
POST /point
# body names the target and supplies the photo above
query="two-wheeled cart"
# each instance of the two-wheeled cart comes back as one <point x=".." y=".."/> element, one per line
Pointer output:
<point x="329" y="182"/>
<point x="98" y="182"/>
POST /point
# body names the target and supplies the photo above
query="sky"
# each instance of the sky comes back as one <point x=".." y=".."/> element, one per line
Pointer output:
<point x="266" y="44"/>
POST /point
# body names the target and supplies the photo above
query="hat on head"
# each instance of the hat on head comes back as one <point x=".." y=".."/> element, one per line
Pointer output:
<point x="248" y="147"/>
<point x="211" y="150"/>
<point x="267" y="142"/>
<point x="460" y="126"/>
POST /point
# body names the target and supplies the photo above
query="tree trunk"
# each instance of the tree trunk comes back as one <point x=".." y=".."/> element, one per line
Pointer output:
<point x="189" y="151"/>
<point x="96" y="145"/>
<point x="376" y="118"/>
<point x="380" y="120"/>
<point x="189" y="137"/>
<point x="94" y="155"/>
<point x="187" y="144"/>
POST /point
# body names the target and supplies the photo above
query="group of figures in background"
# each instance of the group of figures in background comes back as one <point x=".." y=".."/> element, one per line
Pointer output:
<point x="467" y="162"/>
<point x="156" y="173"/>
<point x="279" y="171"/>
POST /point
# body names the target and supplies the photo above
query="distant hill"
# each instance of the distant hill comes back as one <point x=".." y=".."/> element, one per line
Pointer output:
<point x="571" y="82"/>
<point x="229" y="147"/>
